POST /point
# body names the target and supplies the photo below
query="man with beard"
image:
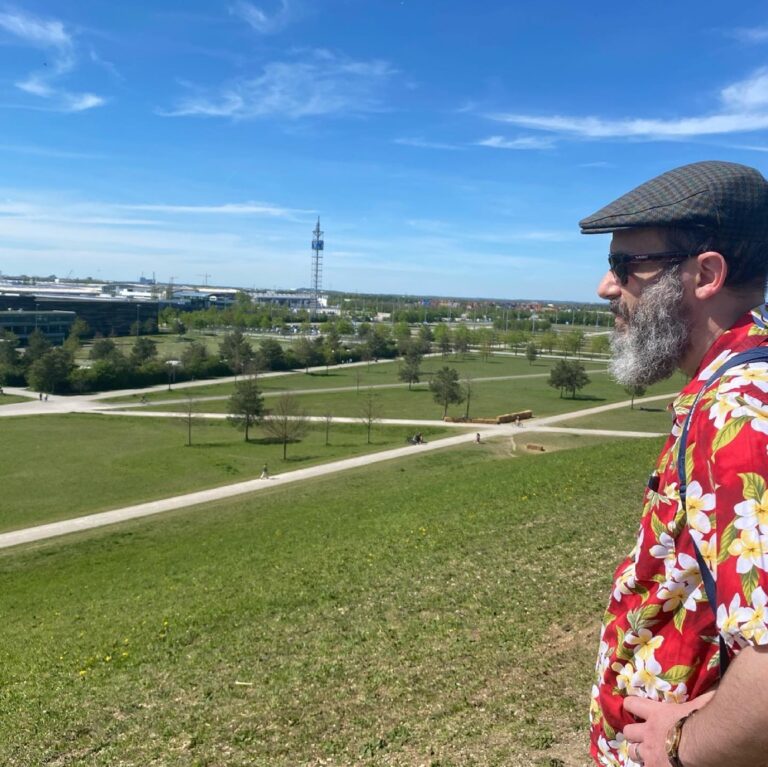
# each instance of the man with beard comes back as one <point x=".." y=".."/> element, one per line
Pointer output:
<point x="686" y="281"/>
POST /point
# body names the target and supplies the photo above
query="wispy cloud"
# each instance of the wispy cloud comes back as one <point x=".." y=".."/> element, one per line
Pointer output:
<point x="50" y="230"/>
<point x="320" y="83"/>
<point x="750" y="147"/>
<point x="522" y="142"/>
<point x="78" y="212"/>
<point x="43" y="151"/>
<point x="426" y="144"/>
<point x="263" y="22"/>
<point x="750" y="34"/>
<point x="51" y="36"/>
<point x="228" y="209"/>
<point x="743" y="108"/>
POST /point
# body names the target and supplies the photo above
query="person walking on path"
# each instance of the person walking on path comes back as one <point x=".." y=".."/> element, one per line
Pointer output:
<point x="264" y="472"/>
<point x="687" y="270"/>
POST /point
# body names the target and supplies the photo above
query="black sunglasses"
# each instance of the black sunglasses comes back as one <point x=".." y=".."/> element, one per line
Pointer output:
<point x="619" y="263"/>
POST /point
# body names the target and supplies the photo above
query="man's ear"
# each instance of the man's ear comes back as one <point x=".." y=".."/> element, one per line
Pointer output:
<point x="711" y="271"/>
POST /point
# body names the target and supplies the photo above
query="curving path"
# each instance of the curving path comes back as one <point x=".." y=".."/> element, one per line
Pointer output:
<point x="90" y="404"/>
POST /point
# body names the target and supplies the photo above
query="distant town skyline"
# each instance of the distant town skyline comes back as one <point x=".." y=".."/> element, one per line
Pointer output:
<point x="449" y="148"/>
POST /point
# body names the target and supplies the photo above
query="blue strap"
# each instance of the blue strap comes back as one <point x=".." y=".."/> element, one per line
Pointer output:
<point x="757" y="354"/>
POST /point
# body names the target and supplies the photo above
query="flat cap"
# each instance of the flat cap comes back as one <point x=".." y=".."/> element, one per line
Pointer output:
<point x="722" y="197"/>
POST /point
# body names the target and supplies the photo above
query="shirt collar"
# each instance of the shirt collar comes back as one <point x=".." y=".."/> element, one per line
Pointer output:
<point x="749" y="330"/>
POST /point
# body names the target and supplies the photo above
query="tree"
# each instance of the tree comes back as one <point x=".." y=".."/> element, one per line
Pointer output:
<point x="113" y="371"/>
<point x="572" y="342"/>
<point x="380" y="343"/>
<point x="287" y="421"/>
<point x="599" y="344"/>
<point x="246" y="405"/>
<point x="9" y="356"/>
<point x="531" y="353"/>
<point x="195" y="359"/>
<point x="461" y="339"/>
<point x="443" y="339"/>
<point x="445" y="388"/>
<point x="410" y="370"/>
<point x="329" y="356"/>
<point x="370" y="411"/>
<point x="568" y="375"/>
<point x="467" y="395"/>
<point x="403" y="337"/>
<point x="304" y="353"/>
<point x="236" y="352"/>
<point x="79" y="328"/>
<point x="327" y="421"/>
<point x="515" y="338"/>
<point x="484" y="338"/>
<point x="102" y="348"/>
<point x="548" y="340"/>
<point x="37" y="346"/>
<point x="425" y="339"/>
<point x="48" y="372"/>
<point x="271" y="355"/>
<point x="189" y="417"/>
<point x="143" y="350"/>
<point x="634" y="390"/>
<point x="363" y="330"/>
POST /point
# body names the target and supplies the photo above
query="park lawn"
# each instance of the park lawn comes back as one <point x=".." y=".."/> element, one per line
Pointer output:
<point x="489" y="399"/>
<point x="58" y="467"/>
<point x="366" y="375"/>
<point x="528" y="441"/>
<point x="171" y="345"/>
<point x="652" y="417"/>
<point x="10" y="399"/>
<point x="437" y="611"/>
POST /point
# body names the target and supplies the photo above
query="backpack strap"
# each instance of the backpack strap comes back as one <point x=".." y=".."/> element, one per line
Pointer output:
<point x="757" y="354"/>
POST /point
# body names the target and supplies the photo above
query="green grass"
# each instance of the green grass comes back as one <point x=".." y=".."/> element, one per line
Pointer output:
<point x="58" y="467"/>
<point x="654" y="417"/>
<point x="439" y="611"/>
<point x="550" y="441"/>
<point x="171" y="346"/>
<point x="369" y="375"/>
<point x="10" y="399"/>
<point x="489" y="399"/>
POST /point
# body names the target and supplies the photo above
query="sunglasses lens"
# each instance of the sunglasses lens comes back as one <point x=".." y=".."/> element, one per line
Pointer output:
<point x="620" y="269"/>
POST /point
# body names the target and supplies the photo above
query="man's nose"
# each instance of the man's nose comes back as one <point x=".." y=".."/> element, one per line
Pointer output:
<point x="609" y="286"/>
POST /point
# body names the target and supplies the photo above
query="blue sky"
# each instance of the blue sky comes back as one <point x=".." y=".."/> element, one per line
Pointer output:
<point x="449" y="147"/>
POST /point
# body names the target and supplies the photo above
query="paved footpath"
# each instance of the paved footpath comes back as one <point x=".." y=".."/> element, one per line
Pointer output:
<point x="91" y="521"/>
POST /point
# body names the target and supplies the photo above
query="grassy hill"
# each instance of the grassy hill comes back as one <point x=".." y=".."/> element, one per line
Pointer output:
<point x="439" y="611"/>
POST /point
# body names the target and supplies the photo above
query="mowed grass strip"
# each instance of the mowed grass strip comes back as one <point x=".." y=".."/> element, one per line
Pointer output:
<point x="652" y="417"/>
<point x="364" y="375"/>
<point x="488" y="399"/>
<point x="436" y="611"/>
<point x="10" y="399"/>
<point x="58" y="467"/>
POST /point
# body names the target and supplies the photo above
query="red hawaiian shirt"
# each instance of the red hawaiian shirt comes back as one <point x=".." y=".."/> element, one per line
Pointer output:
<point x="659" y="638"/>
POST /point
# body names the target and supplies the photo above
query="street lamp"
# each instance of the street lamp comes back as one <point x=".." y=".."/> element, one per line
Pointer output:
<point x="172" y="371"/>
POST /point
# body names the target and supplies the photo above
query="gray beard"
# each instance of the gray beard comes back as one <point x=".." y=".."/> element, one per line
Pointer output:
<point x="655" y="336"/>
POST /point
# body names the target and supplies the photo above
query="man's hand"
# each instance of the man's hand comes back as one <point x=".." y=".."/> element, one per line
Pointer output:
<point x="656" y="720"/>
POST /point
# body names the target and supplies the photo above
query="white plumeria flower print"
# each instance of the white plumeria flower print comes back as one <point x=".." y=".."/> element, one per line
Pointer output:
<point x="751" y="551"/>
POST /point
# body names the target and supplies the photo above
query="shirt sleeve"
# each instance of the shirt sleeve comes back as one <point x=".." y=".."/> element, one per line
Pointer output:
<point x="728" y="513"/>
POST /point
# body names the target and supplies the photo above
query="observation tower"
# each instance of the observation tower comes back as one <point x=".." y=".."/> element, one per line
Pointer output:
<point x="316" y="283"/>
